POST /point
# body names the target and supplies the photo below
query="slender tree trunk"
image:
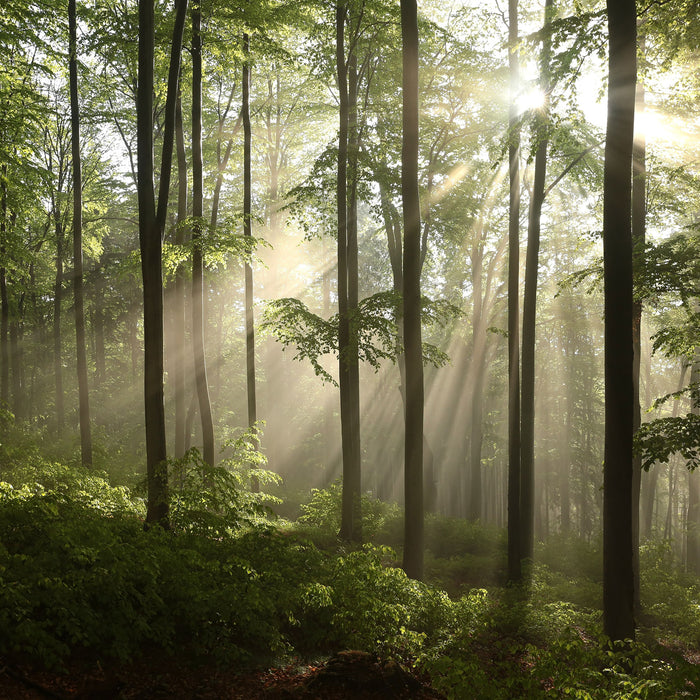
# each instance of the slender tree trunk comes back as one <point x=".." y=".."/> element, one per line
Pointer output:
<point x="200" y="367"/>
<point x="350" y="526"/>
<point x="222" y="162"/>
<point x="98" y="329"/>
<point x="16" y="363"/>
<point x="151" y="227"/>
<point x="81" y="353"/>
<point x="247" y="231"/>
<point x="584" y="521"/>
<point x="413" y="464"/>
<point x="178" y="300"/>
<point x="57" y="340"/>
<point x="476" y="381"/>
<point x="353" y="299"/>
<point x="514" y="539"/>
<point x="150" y="240"/>
<point x="618" y="570"/>
<point x="568" y="452"/>
<point x="638" y="241"/>
<point x="475" y="444"/>
<point x="527" y="426"/>
<point x="693" y="513"/>
<point x="668" y="523"/>
<point x="4" y="301"/>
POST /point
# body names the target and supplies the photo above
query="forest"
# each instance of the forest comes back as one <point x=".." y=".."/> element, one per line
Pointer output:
<point x="349" y="349"/>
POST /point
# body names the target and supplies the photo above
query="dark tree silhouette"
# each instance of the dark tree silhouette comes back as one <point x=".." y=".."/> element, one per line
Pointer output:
<point x="81" y="355"/>
<point x="514" y="556"/>
<point x="200" y="365"/>
<point x="413" y="539"/>
<point x="618" y="576"/>
<point x="151" y="227"/>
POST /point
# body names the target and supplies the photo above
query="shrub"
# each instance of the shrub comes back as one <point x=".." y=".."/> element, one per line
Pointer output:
<point x="323" y="512"/>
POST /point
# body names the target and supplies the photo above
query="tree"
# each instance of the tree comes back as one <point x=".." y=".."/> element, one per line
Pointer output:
<point x="514" y="552"/>
<point x="618" y="574"/>
<point x="151" y="228"/>
<point x="413" y="464"/>
<point x="83" y="396"/>
<point x="200" y="366"/>
<point x="178" y="300"/>
<point x="693" y="514"/>
<point x="247" y="231"/>
<point x="4" y="302"/>
<point x="639" y="198"/>
<point x="351" y="518"/>
<point x="527" y="430"/>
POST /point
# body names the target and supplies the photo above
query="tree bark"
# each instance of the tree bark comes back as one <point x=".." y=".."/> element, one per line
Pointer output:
<point x="413" y="464"/>
<point x="247" y="231"/>
<point x="78" y="303"/>
<point x="638" y="242"/>
<point x="350" y="526"/>
<point x="514" y="553"/>
<point x="4" y="301"/>
<point x="18" y="402"/>
<point x="200" y="366"/>
<point x="178" y="301"/>
<point x="151" y="227"/>
<point x="618" y="573"/>
<point x="527" y="417"/>
<point x="692" y="523"/>
<point x="57" y="339"/>
<point x="98" y="329"/>
<point x="475" y="443"/>
<point x="353" y="298"/>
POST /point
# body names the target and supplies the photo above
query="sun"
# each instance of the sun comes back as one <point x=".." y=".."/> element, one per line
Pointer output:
<point x="530" y="100"/>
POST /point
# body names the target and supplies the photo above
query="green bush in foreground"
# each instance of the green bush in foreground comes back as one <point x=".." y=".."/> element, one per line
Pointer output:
<point x="78" y="570"/>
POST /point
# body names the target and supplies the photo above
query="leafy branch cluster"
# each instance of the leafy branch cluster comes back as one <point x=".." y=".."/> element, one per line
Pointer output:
<point x="373" y="326"/>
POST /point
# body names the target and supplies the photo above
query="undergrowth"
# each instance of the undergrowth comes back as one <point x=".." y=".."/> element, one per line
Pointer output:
<point x="79" y="572"/>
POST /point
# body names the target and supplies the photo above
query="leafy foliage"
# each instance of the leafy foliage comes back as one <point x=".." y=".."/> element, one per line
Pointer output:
<point x="323" y="509"/>
<point x="214" y="501"/>
<point x="372" y="325"/>
<point x="659" y="439"/>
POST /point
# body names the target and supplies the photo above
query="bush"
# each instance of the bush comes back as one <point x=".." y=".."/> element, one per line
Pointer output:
<point x="323" y="512"/>
<point x="78" y="571"/>
<point x="670" y="597"/>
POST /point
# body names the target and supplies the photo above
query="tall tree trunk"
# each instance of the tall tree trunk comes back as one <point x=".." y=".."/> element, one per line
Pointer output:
<point x="151" y="227"/>
<point x="413" y="464"/>
<point x="178" y="301"/>
<point x="350" y="526"/>
<point x="477" y="377"/>
<point x="568" y="452"/>
<point x="4" y="301"/>
<point x="57" y="340"/>
<point x="618" y="570"/>
<point x="150" y="242"/>
<point x="98" y="329"/>
<point x="693" y="514"/>
<point x="78" y="303"/>
<point x="16" y="363"/>
<point x="353" y="298"/>
<point x="638" y="242"/>
<point x="475" y="443"/>
<point x="527" y="418"/>
<point x="222" y="162"/>
<point x="200" y="366"/>
<point x="247" y="231"/>
<point x="514" y="554"/>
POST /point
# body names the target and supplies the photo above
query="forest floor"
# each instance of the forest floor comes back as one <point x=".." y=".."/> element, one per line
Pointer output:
<point x="344" y="676"/>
